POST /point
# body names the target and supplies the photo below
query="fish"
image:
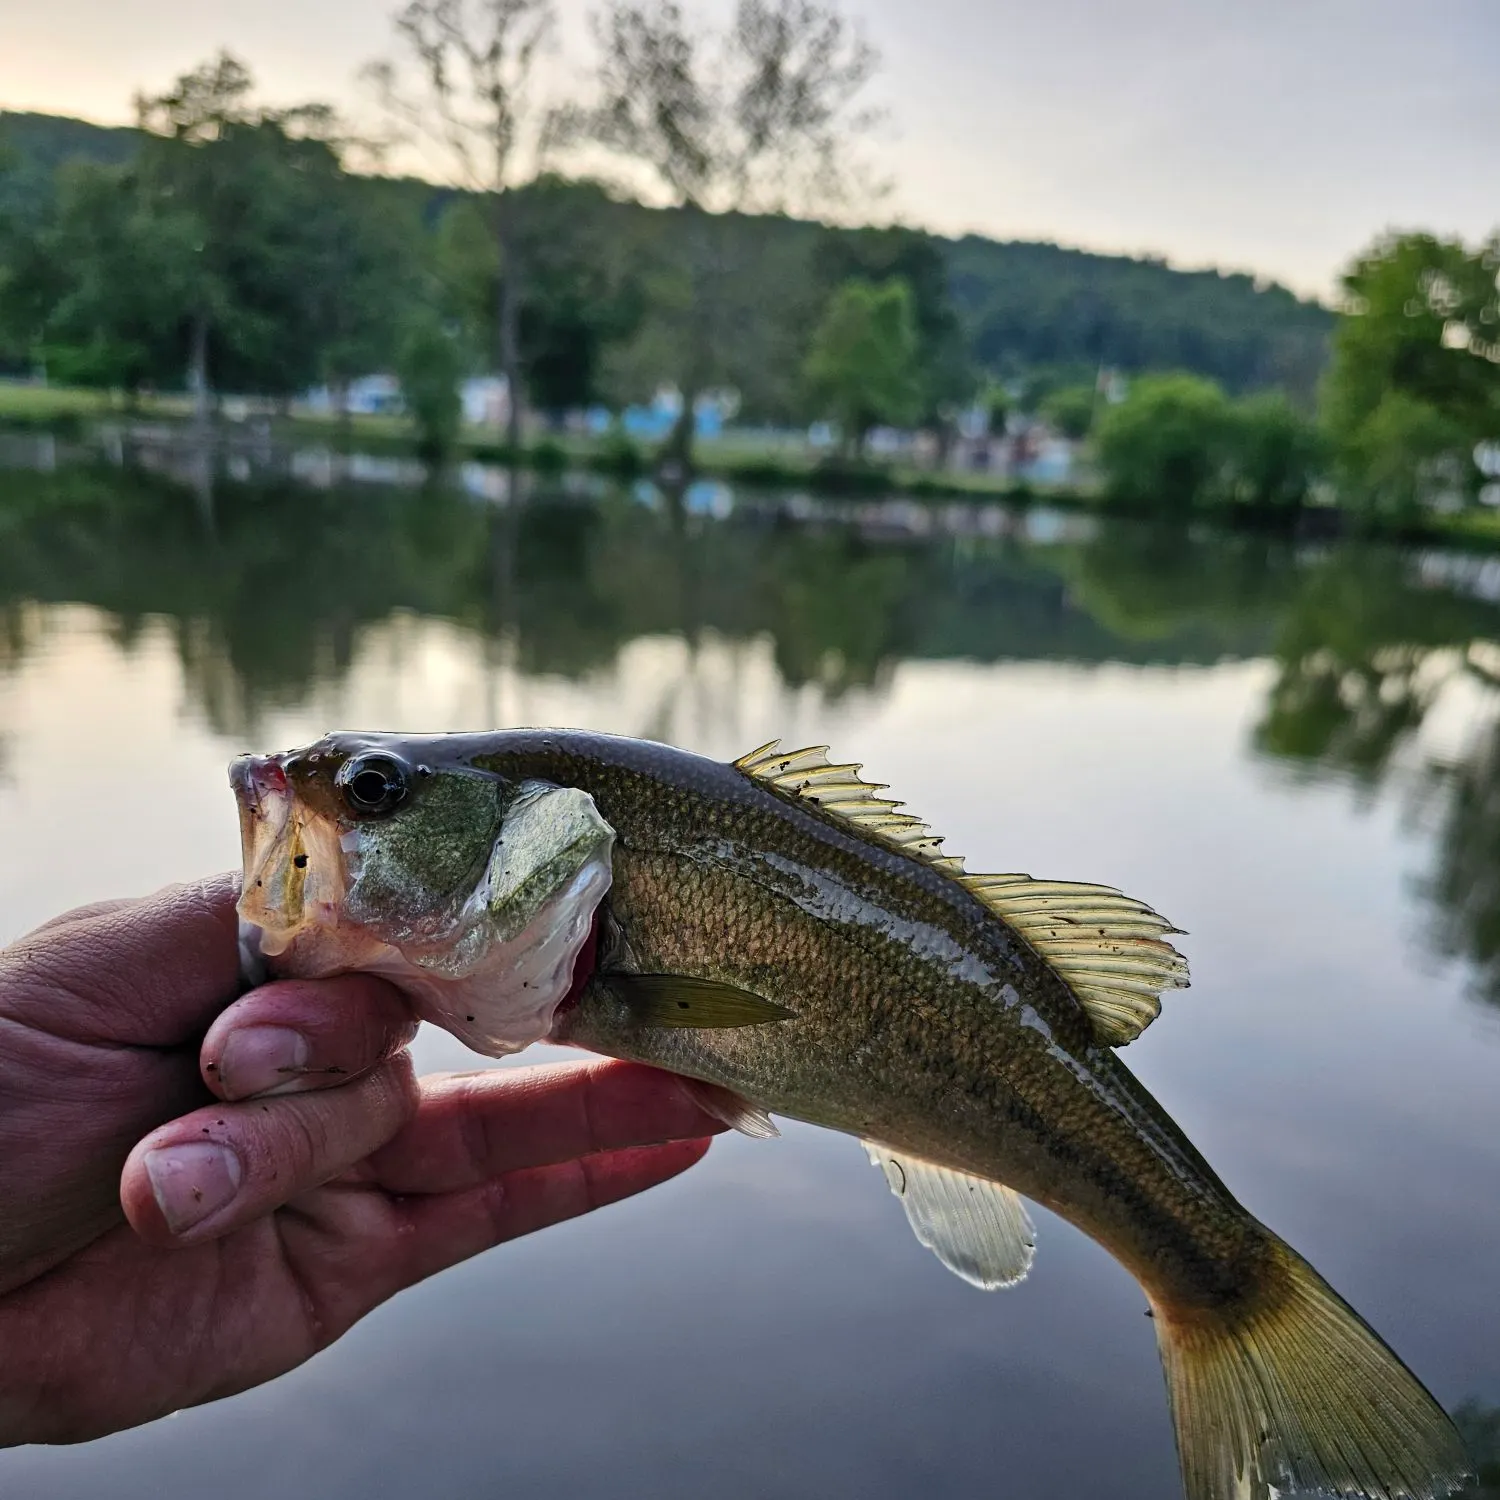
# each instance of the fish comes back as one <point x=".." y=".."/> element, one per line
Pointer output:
<point x="791" y="943"/>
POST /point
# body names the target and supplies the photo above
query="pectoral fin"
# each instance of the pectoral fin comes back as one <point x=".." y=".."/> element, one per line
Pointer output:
<point x="979" y="1229"/>
<point x="737" y="1113"/>
<point x="677" y="1000"/>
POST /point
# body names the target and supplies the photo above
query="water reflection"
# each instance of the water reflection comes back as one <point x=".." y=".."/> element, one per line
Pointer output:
<point x="1291" y="697"/>
<point x="558" y="578"/>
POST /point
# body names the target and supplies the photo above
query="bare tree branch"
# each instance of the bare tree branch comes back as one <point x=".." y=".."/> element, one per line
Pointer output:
<point x="477" y="61"/>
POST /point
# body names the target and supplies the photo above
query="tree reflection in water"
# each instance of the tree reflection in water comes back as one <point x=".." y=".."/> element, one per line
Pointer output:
<point x="268" y="589"/>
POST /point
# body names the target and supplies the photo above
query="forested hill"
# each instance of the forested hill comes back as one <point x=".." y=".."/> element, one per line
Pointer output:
<point x="1038" y="304"/>
<point x="1021" y="306"/>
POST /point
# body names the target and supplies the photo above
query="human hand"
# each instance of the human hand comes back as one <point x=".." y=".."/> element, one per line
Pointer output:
<point x="261" y="1226"/>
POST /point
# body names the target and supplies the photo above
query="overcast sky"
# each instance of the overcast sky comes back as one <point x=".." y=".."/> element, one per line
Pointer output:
<point x="1275" y="136"/>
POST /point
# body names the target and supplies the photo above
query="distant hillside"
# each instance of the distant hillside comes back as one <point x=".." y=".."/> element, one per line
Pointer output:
<point x="37" y="145"/>
<point x="1021" y="305"/>
<point x="1029" y="304"/>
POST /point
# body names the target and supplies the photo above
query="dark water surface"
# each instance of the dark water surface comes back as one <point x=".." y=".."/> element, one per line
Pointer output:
<point x="1293" y="751"/>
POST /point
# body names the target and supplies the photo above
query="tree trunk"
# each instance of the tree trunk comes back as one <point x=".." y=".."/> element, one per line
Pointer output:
<point x="198" y="368"/>
<point x="508" y="318"/>
<point x="675" y="458"/>
<point x="338" y="390"/>
<point x="706" y="280"/>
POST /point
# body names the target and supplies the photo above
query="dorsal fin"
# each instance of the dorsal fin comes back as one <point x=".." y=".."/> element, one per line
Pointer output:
<point x="1110" y="949"/>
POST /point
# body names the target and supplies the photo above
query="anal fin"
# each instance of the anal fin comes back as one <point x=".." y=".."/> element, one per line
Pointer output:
<point x="979" y="1229"/>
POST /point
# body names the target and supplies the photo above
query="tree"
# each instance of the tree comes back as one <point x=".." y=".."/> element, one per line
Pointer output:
<point x="129" y="266"/>
<point x="864" y="363"/>
<point x="478" y="63"/>
<point x="755" y="118"/>
<point x="368" y="267"/>
<point x="1275" y="453"/>
<point x="945" y="374"/>
<point x="1416" y="367"/>
<point x="259" y="187"/>
<point x="429" y="365"/>
<point x="1164" y="446"/>
<point x="582" y="293"/>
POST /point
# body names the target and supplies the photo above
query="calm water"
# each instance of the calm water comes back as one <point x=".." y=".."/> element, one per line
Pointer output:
<point x="1293" y="752"/>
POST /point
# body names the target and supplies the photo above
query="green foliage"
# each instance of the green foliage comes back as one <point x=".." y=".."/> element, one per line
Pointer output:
<point x="1024" y="306"/>
<point x="1070" y="409"/>
<point x="617" y="296"/>
<point x="863" y="365"/>
<point x="943" y="372"/>
<point x="1414" y="381"/>
<point x="619" y="456"/>
<point x="230" y="240"/>
<point x="1275" y="453"/>
<point x="1164" y="447"/>
<point x="548" y="456"/>
<point x="582" y="292"/>
<point x="1177" y="443"/>
<point x="430" y="365"/>
<point x="117" y="324"/>
<point x="1405" y="454"/>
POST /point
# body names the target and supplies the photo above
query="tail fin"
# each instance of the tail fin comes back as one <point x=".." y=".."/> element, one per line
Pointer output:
<point x="1300" y="1393"/>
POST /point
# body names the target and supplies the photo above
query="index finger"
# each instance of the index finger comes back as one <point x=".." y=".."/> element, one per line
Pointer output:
<point x="472" y="1127"/>
<point x="151" y="972"/>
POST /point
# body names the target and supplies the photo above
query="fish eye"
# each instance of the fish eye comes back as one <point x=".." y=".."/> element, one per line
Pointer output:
<point x="373" y="784"/>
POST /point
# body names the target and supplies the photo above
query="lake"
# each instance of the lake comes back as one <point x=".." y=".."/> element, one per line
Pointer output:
<point x="1291" y="749"/>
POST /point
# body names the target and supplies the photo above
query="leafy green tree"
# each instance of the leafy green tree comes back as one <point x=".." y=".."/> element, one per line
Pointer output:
<point x="945" y="374"/>
<point x="583" y="295"/>
<point x="1165" y="446"/>
<point x="864" y="363"/>
<point x="364" y="263"/>
<point x="1405" y="454"/>
<point x="1275" y="453"/>
<point x="130" y="266"/>
<point x="1414" y="381"/>
<point x="259" y="186"/>
<point x="429" y="364"/>
<point x="583" y="291"/>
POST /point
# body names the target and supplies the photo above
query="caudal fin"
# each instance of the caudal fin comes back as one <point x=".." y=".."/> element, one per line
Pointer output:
<point x="1300" y="1393"/>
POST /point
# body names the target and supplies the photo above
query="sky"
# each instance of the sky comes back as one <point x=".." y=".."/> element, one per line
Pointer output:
<point x="1270" y="136"/>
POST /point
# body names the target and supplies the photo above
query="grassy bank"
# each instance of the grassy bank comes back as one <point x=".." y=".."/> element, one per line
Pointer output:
<point x="734" y="459"/>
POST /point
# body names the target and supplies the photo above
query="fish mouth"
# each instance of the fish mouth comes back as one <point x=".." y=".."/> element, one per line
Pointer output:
<point x="292" y="858"/>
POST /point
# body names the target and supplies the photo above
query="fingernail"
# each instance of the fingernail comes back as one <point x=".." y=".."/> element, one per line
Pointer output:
<point x="193" y="1181"/>
<point x="258" y="1058"/>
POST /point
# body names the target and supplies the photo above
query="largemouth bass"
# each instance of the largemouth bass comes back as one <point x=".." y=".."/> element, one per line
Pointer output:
<point x="791" y="943"/>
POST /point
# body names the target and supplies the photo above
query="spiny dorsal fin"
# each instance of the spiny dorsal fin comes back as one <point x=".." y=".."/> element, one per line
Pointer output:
<point x="839" y="790"/>
<point x="1111" y="949"/>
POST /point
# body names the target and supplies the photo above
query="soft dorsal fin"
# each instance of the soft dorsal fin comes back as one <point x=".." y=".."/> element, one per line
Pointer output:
<point x="979" y="1229"/>
<point x="1110" y="949"/>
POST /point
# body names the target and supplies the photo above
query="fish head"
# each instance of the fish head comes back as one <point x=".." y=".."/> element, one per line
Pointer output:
<point x="473" y="892"/>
